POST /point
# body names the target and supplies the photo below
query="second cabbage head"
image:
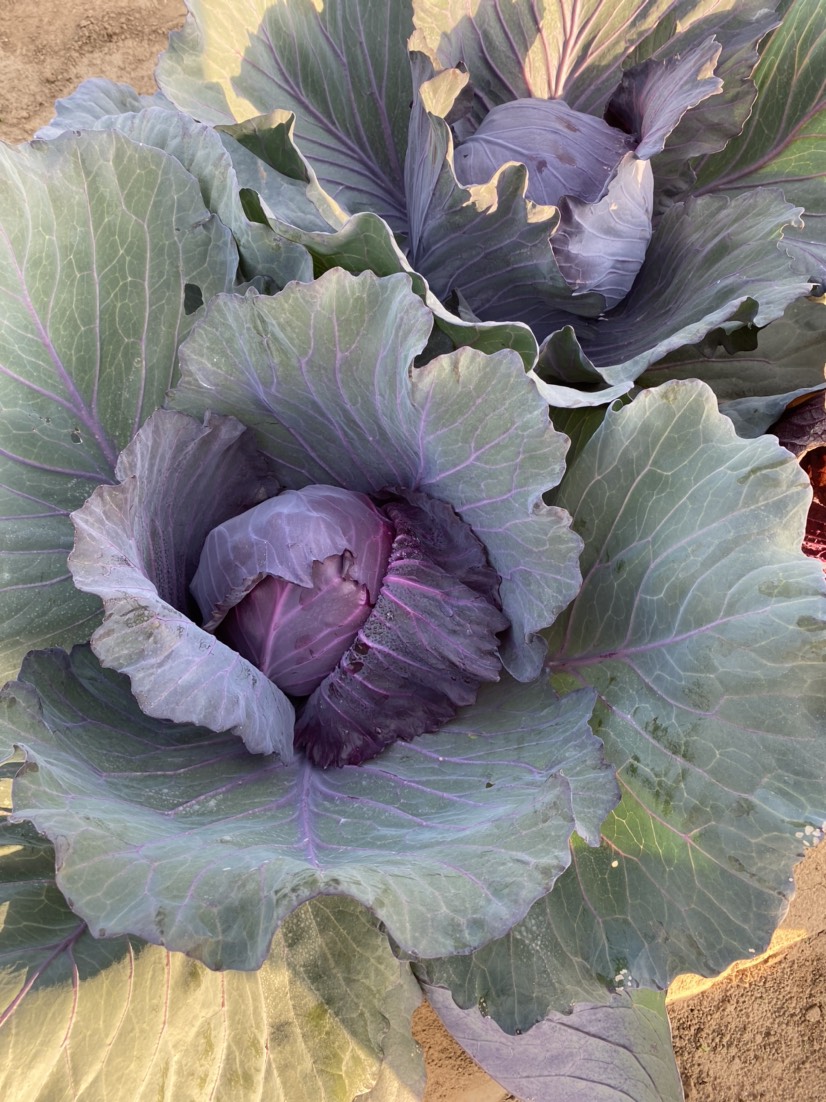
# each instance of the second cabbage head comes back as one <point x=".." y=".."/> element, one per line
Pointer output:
<point x="537" y="163"/>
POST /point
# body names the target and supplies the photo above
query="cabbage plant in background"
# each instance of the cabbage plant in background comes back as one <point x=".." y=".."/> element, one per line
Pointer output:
<point x="337" y="675"/>
<point x="619" y="176"/>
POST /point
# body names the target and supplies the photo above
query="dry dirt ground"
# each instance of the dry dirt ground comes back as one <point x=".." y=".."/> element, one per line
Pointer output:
<point x="759" y="1033"/>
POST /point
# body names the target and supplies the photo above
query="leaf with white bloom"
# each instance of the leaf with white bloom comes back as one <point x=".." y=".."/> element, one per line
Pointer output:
<point x="598" y="1053"/>
<point x="754" y="416"/>
<point x="99" y="241"/>
<point x="137" y="546"/>
<point x="271" y="198"/>
<point x="75" y="1009"/>
<point x="291" y="192"/>
<point x="340" y="67"/>
<point x="524" y="49"/>
<point x="291" y="201"/>
<point x="202" y="152"/>
<point x="757" y="373"/>
<point x="94" y="100"/>
<point x="710" y="125"/>
<point x="183" y="838"/>
<point x="569" y="397"/>
<point x="783" y="144"/>
<point x="578" y="50"/>
<point x="701" y="626"/>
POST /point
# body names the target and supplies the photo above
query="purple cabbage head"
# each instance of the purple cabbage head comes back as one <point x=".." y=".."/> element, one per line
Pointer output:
<point x="586" y="168"/>
<point x="379" y="617"/>
<point x="290" y="581"/>
<point x="590" y="183"/>
<point x="566" y="152"/>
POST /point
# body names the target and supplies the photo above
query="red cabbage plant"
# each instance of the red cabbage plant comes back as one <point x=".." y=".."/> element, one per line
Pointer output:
<point x="358" y="646"/>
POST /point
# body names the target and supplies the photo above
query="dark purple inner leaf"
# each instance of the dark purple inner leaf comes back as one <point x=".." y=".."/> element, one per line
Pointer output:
<point x="803" y="425"/>
<point x="423" y="652"/>
<point x="814" y="542"/>
<point x="802" y="429"/>
<point x="451" y="544"/>
<point x="654" y="96"/>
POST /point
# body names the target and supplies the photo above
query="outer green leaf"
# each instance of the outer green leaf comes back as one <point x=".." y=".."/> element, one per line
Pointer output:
<point x="263" y="158"/>
<point x="303" y="213"/>
<point x="94" y="100"/>
<point x="401" y="1077"/>
<point x="293" y="204"/>
<point x="291" y="192"/>
<point x="365" y="244"/>
<point x="579" y="425"/>
<point x="201" y="151"/>
<point x="713" y="123"/>
<point x="783" y="144"/>
<point x="322" y="374"/>
<point x="98" y="241"/>
<point x="79" y="1015"/>
<point x="269" y="195"/>
<point x="700" y="624"/>
<point x="101" y="105"/>
<point x="786" y="360"/>
<point x="330" y="1006"/>
<point x="610" y="1053"/>
<point x="341" y="67"/>
<point x="183" y="838"/>
<point x="137" y="546"/>
<point x="528" y="48"/>
<point x="754" y="416"/>
<point x="568" y="397"/>
<point x="724" y="256"/>
<point x="15" y="834"/>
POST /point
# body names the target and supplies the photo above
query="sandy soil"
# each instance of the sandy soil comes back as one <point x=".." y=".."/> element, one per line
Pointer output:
<point x="48" y="48"/>
<point x="760" y="1031"/>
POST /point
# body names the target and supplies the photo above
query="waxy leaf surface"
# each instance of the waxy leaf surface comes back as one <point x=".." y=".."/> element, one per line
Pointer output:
<point x="701" y="627"/>
<point x="724" y="256"/>
<point x="783" y="144"/>
<point x="341" y="67"/>
<point x="103" y="1013"/>
<point x="609" y="1053"/>
<point x="99" y="240"/>
<point x="575" y="49"/>
<point x="137" y="546"/>
<point x="756" y="381"/>
<point x="94" y="100"/>
<point x="184" y="839"/>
